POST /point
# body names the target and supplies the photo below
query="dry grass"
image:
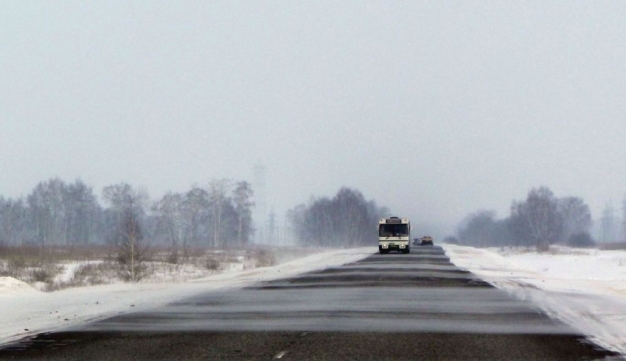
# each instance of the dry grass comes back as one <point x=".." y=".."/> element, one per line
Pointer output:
<point x="37" y="264"/>
<point x="212" y="264"/>
<point x="43" y="267"/>
<point x="37" y="255"/>
<point x="617" y="246"/>
<point x="88" y="274"/>
<point x="49" y="268"/>
<point x="263" y="257"/>
<point x="568" y="250"/>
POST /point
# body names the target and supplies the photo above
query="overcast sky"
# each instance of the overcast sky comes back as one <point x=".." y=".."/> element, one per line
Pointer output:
<point x="432" y="108"/>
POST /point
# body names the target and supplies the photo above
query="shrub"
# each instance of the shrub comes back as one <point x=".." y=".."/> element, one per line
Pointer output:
<point x="581" y="240"/>
<point x="173" y="257"/>
<point x="94" y="273"/>
<point x="265" y="258"/>
<point x="212" y="264"/>
<point x="451" y="240"/>
<point x="40" y="275"/>
<point x="612" y="246"/>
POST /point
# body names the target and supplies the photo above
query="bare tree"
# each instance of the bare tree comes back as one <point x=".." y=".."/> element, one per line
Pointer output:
<point x="538" y="217"/>
<point x="82" y="213"/>
<point x="576" y="216"/>
<point x="131" y="246"/>
<point x="57" y="213"/>
<point x="13" y="222"/>
<point x="218" y="190"/>
<point x="122" y="196"/>
<point x="345" y="220"/>
<point x="242" y="198"/>
<point x="296" y="217"/>
<point x="608" y="220"/>
<point x="170" y="220"/>
<point x="478" y="228"/>
<point x="128" y="206"/>
<point x="351" y="207"/>
<point x="196" y="216"/>
<point x="48" y="211"/>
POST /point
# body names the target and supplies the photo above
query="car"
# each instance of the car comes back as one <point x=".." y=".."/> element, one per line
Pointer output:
<point x="427" y="241"/>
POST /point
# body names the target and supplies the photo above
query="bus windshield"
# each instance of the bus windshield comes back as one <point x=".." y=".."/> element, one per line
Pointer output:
<point x="393" y="230"/>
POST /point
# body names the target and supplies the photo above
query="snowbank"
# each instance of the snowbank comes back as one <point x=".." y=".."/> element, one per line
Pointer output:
<point x="26" y="311"/>
<point x="9" y="286"/>
<point x="584" y="288"/>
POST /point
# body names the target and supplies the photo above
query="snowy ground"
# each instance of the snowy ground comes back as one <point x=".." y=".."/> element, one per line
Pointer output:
<point x="27" y="311"/>
<point x="585" y="288"/>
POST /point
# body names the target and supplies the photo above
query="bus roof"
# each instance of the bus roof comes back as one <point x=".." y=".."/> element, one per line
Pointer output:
<point x="394" y="220"/>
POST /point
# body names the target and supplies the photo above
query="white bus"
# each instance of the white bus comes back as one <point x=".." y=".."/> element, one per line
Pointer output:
<point x="394" y="233"/>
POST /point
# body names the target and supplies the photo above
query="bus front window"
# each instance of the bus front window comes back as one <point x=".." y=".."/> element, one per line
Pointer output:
<point x="393" y="230"/>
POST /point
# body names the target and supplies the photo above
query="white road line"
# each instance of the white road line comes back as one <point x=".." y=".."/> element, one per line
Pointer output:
<point x="280" y="354"/>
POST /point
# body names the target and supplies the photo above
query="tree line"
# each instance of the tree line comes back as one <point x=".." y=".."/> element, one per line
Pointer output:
<point x="540" y="220"/>
<point x="346" y="220"/>
<point x="59" y="213"/>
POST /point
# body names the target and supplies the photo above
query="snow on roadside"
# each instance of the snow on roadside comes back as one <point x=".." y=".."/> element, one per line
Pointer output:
<point x="69" y="271"/>
<point x="27" y="311"/>
<point x="584" y="288"/>
<point x="9" y="286"/>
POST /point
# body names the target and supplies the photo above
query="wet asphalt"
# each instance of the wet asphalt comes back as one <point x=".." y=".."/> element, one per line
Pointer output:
<point x="415" y="306"/>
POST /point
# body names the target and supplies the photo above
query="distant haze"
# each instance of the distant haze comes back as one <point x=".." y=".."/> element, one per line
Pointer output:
<point x="432" y="108"/>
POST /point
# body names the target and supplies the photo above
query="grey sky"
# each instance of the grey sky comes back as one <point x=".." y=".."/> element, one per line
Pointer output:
<point x="432" y="108"/>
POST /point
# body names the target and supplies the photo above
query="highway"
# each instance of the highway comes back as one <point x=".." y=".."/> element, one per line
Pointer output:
<point x="415" y="306"/>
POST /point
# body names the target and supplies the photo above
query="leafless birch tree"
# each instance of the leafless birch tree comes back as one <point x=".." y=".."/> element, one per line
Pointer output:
<point x="218" y="191"/>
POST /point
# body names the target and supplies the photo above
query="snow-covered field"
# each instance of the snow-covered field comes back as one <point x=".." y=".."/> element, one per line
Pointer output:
<point x="27" y="311"/>
<point x="585" y="288"/>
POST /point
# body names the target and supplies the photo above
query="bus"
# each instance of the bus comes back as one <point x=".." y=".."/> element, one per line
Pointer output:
<point x="394" y="234"/>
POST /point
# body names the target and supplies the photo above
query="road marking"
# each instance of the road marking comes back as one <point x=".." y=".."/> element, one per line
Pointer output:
<point x="280" y="354"/>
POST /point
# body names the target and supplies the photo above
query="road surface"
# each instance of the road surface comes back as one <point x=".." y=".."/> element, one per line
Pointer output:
<point x="414" y="306"/>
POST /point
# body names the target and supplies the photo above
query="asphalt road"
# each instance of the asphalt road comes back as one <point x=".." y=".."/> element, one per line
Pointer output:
<point x="414" y="306"/>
